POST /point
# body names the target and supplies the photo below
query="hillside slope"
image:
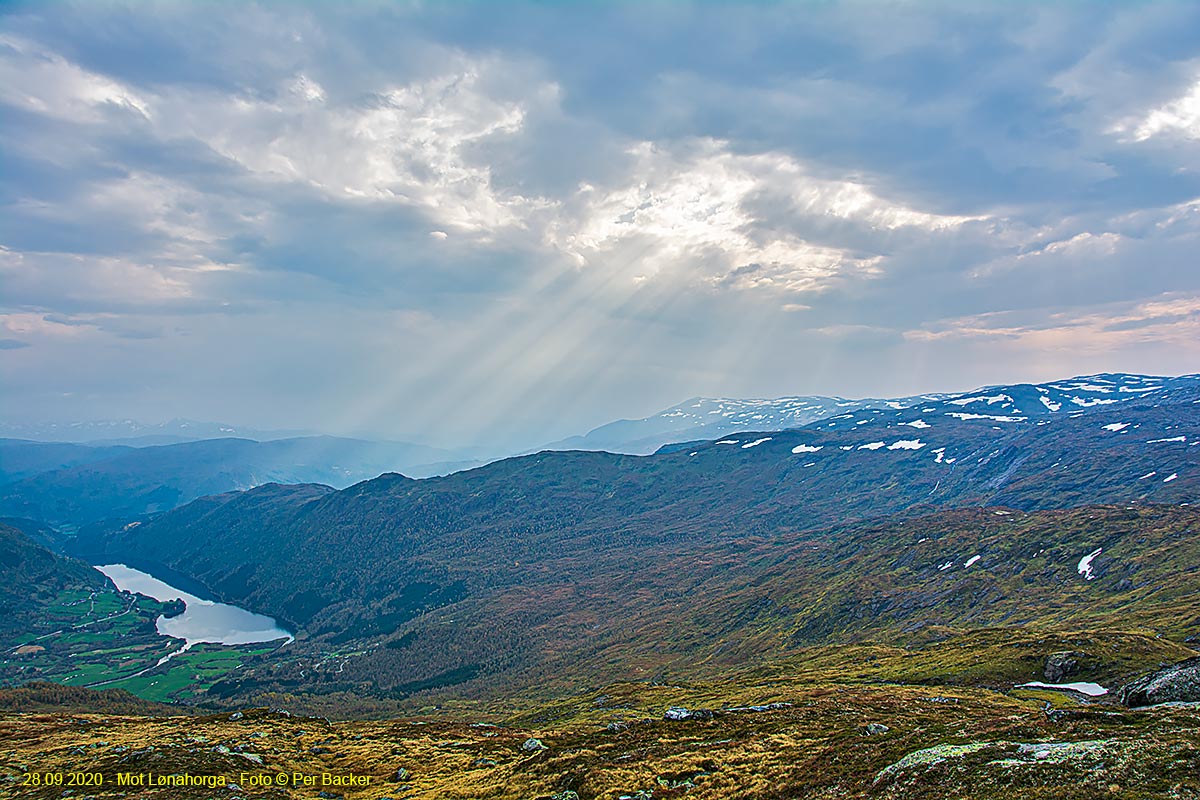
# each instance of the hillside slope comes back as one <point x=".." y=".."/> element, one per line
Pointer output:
<point x="32" y="577"/>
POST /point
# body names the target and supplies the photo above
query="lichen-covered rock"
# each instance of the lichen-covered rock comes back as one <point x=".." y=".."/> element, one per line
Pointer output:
<point x="1179" y="683"/>
<point x="1062" y="665"/>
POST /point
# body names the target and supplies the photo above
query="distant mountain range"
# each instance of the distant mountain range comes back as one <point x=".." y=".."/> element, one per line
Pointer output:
<point x="138" y="434"/>
<point x="73" y="485"/>
<point x="711" y="418"/>
<point x="562" y="558"/>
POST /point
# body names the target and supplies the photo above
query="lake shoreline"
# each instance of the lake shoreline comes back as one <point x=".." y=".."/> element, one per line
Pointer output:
<point x="202" y="620"/>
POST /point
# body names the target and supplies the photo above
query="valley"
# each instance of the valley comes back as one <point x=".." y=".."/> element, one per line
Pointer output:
<point x="878" y="603"/>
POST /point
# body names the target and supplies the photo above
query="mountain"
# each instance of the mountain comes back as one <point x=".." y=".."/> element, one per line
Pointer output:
<point x="126" y="483"/>
<point x="138" y="434"/>
<point x="20" y="458"/>
<point x="629" y="564"/>
<point x="712" y="418"/>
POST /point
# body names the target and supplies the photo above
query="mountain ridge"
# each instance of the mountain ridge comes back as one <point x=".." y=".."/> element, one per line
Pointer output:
<point x="692" y="420"/>
<point x="557" y="534"/>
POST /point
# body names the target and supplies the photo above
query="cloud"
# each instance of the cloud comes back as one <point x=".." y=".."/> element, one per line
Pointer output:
<point x="12" y="344"/>
<point x="43" y="82"/>
<point x="692" y="208"/>
<point x="1180" y="117"/>
<point x="507" y="216"/>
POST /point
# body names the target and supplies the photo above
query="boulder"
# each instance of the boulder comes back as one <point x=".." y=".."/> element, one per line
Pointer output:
<point x="532" y="745"/>
<point x="1179" y="683"/>
<point x="1062" y="665"/>
<point x="679" y="714"/>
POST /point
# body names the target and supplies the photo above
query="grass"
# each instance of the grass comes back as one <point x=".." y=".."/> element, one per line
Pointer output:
<point x="939" y="743"/>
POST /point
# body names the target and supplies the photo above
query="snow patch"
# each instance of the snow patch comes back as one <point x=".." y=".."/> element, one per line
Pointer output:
<point x="1079" y="401"/>
<point x="1090" y="689"/>
<point x="907" y="444"/>
<point x="1171" y="477"/>
<point x="971" y="561"/>
<point x="989" y="399"/>
<point x="1116" y="426"/>
<point x="871" y="446"/>
<point x="755" y="443"/>
<point x="917" y="423"/>
<point x="806" y="448"/>
<point x="1085" y="563"/>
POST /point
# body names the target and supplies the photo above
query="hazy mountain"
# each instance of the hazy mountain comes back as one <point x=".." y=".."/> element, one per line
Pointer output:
<point x="21" y="458"/>
<point x="139" y="434"/>
<point x="124" y="483"/>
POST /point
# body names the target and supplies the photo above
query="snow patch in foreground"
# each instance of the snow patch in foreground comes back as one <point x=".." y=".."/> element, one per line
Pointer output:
<point x="1090" y="689"/>
<point x="1085" y="563"/>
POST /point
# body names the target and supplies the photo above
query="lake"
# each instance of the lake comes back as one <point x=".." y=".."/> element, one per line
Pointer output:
<point x="202" y="620"/>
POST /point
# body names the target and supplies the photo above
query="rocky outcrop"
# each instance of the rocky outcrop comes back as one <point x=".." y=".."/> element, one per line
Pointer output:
<point x="1062" y="665"/>
<point x="679" y="714"/>
<point x="1179" y="683"/>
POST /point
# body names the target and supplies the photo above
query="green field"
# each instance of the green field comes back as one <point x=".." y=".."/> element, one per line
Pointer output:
<point x="105" y="638"/>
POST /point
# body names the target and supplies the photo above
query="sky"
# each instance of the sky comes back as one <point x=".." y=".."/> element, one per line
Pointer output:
<point x="504" y="223"/>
